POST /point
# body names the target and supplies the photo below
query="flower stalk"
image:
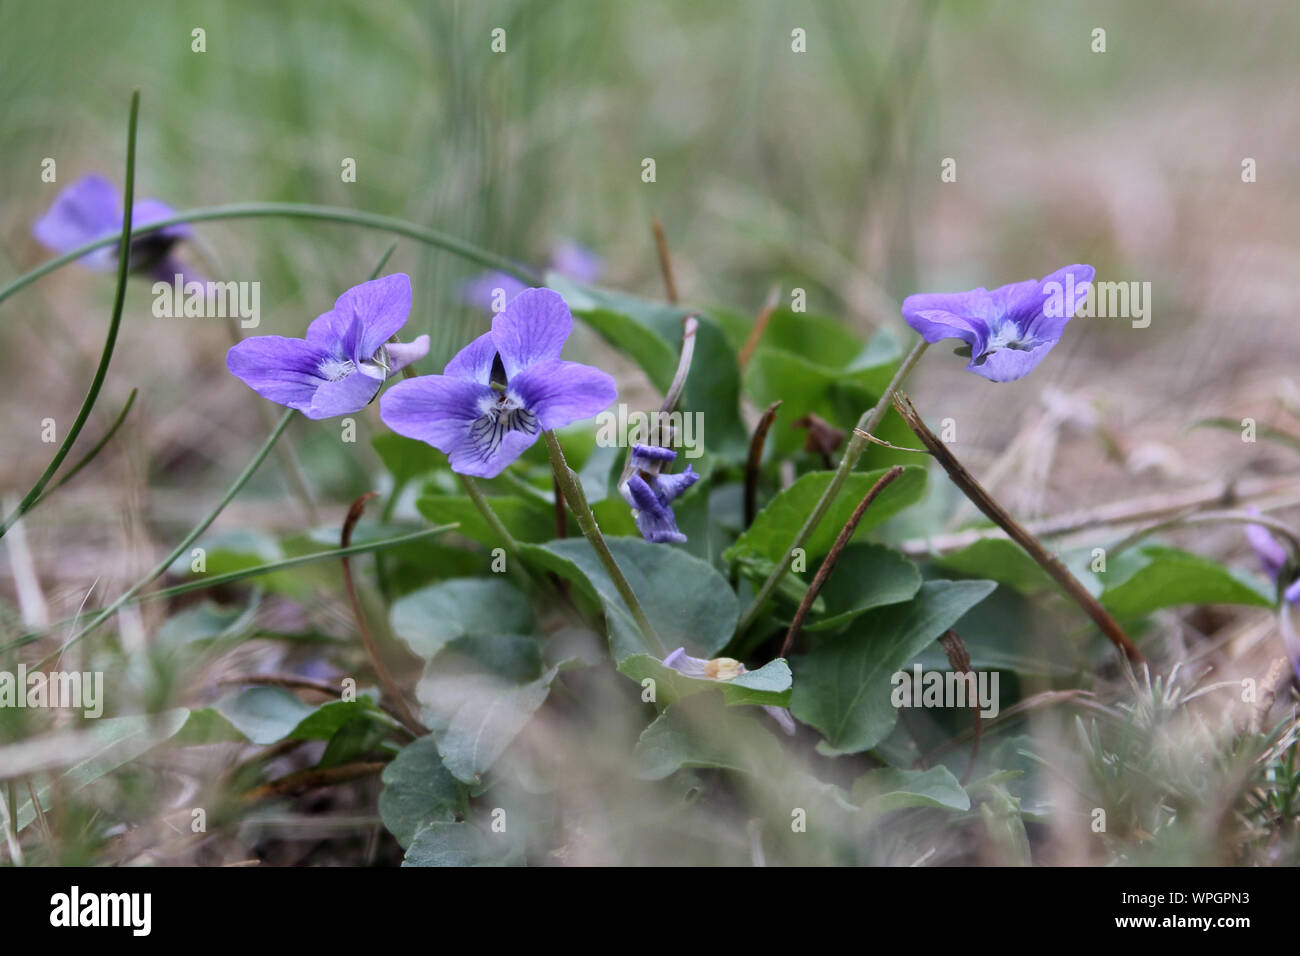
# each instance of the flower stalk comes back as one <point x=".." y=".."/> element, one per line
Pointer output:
<point x="869" y="422"/>
<point x="577" y="500"/>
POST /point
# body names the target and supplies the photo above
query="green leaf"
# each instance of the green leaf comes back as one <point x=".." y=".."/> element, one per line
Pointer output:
<point x="266" y="715"/>
<point x="263" y="714"/>
<point x="427" y="619"/>
<point x="842" y="687"/>
<point x="110" y="743"/>
<point x="419" y="790"/>
<point x="702" y="731"/>
<point x="478" y="693"/>
<point x="650" y="333"/>
<point x="770" y="684"/>
<point x="525" y="518"/>
<point x="227" y="551"/>
<point x="354" y="737"/>
<point x="460" y="844"/>
<point x="777" y="524"/>
<point x="866" y="576"/>
<point x="1145" y="579"/>
<point x="1001" y="560"/>
<point x="689" y="603"/>
<point x="893" y="789"/>
<point x="405" y="458"/>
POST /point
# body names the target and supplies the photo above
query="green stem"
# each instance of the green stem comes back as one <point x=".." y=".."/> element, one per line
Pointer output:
<point x="253" y="210"/>
<point x="180" y="549"/>
<point x="485" y="509"/>
<point x="233" y="577"/>
<point x="869" y="422"/>
<point x="577" y="500"/>
<point x="119" y="299"/>
<point x="87" y="458"/>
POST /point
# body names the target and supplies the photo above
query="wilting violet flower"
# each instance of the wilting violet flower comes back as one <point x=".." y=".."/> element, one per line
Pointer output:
<point x="1007" y="330"/>
<point x="650" y="494"/>
<point x="722" y="669"/>
<point x="91" y="208"/>
<point x="569" y="259"/>
<point x="502" y="390"/>
<point x="1272" y="556"/>
<point x="345" y="358"/>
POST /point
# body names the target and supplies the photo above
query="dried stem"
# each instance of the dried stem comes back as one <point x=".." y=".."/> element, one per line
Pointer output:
<point x="1151" y="507"/>
<point x="755" y="461"/>
<point x="312" y="777"/>
<point x="665" y="261"/>
<point x="1016" y="531"/>
<point x="391" y="688"/>
<point x="760" y="326"/>
<point x="959" y="660"/>
<point x="833" y="557"/>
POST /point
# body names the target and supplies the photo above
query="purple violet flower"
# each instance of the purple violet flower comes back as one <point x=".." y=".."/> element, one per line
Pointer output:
<point x="1008" y="330"/>
<point x="502" y="390"/>
<point x="722" y="669"/>
<point x="1272" y="556"/>
<point x="650" y="493"/>
<point x="91" y="208"/>
<point x="569" y="259"/>
<point x="345" y="358"/>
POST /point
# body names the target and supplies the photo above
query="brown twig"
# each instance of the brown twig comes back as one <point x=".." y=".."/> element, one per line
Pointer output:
<point x="755" y="461"/>
<point x="760" y="326"/>
<point x="985" y="502"/>
<point x="665" y="261"/>
<point x="403" y="713"/>
<point x="828" y="564"/>
<point x="959" y="660"/>
<point x="304" y="780"/>
<point x="1216" y="493"/>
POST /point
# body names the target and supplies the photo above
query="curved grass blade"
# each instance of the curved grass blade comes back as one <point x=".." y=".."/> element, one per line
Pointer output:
<point x="110" y="342"/>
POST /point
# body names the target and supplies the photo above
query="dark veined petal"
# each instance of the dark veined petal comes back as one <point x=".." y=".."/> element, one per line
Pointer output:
<point x="561" y="393"/>
<point x="87" y="209"/>
<point x="283" y="370"/>
<point x="436" y="409"/>
<point x="490" y="447"/>
<point x="532" y="329"/>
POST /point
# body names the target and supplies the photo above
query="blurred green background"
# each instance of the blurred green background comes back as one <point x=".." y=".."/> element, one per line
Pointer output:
<point x="818" y="170"/>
